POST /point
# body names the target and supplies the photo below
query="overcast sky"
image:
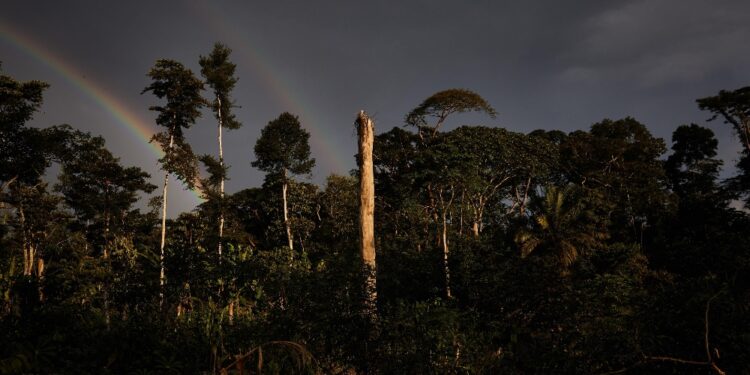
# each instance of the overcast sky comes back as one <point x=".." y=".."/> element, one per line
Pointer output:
<point x="541" y="64"/>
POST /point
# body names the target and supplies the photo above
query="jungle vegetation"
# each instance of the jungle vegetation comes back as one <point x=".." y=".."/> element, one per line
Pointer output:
<point x="598" y="251"/>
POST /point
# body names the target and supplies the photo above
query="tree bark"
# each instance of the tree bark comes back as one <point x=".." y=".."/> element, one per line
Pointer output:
<point x="28" y="251"/>
<point x="40" y="277"/>
<point x="444" y="207"/>
<point x="287" y="224"/>
<point x="162" y="275"/>
<point x="445" y="258"/>
<point x="476" y="226"/>
<point x="365" y="132"/>
<point x="105" y="256"/>
<point x="221" y="185"/>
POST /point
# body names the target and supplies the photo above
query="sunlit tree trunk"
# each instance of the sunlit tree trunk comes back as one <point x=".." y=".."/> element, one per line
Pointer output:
<point x="162" y="275"/>
<point x="27" y="250"/>
<point x="40" y="277"/>
<point x="221" y="185"/>
<point x="287" y="224"/>
<point x="365" y="131"/>
<point x="33" y="264"/>
<point x="444" y="207"/>
<point x="476" y="226"/>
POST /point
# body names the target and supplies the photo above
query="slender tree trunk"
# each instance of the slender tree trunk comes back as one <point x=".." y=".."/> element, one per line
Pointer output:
<point x="365" y="132"/>
<point x="444" y="207"/>
<point x="28" y="256"/>
<point x="476" y="225"/>
<point x="231" y="312"/>
<point x="31" y="257"/>
<point x="33" y="264"/>
<point x="162" y="275"/>
<point x="287" y="224"/>
<point x="445" y="259"/>
<point x="105" y="255"/>
<point x="524" y="199"/>
<point x="40" y="277"/>
<point x="221" y="185"/>
<point x="461" y="214"/>
<point x="435" y="217"/>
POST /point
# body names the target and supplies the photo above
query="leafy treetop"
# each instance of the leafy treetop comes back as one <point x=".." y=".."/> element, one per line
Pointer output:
<point x="171" y="80"/>
<point x="219" y="74"/>
<point x="444" y="103"/>
<point x="283" y="147"/>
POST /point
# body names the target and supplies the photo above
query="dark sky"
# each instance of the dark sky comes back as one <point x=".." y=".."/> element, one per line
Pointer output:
<point x="541" y="64"/>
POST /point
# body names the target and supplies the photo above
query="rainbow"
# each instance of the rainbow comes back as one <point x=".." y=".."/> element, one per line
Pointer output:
<point x="114" y="106"/>
<point x="275" y="82"/>
<point x="129" y="119"/>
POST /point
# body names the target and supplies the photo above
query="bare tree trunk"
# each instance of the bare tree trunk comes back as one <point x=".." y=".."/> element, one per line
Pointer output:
<point x="476" y="226"/>
<point x="461" y="214"/>
<point x="446" y="251"/>
<point x="365" y="132"/>
<point x="30" y="258"/>
<point x="287" y="224"/>
<point x="28" y="251"/>
<point x="162" y="275"/>
<point x="231" y="313"/>
<point x="105" y="256"/>
<point x="40" y="277"/>
<point x="445" y="259"/>
<point x="221" y="186"/>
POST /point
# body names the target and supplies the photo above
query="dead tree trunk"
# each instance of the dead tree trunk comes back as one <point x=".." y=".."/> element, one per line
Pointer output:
<point x="365" y="132"/>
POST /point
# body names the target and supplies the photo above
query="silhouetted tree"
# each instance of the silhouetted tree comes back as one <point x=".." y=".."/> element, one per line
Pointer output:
<point x="182" y="92"/>
<point x="283" y="150"/>
<point x="218" y="72"/>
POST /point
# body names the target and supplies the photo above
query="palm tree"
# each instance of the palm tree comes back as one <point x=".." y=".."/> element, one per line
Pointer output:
<point x="561" y="223"/>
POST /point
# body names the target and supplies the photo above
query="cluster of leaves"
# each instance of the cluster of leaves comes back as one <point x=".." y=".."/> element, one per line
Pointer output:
<point x="563" y="253"/>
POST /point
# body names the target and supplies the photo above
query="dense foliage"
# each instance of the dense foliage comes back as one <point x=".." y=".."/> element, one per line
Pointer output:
<point x="590" y="252"/>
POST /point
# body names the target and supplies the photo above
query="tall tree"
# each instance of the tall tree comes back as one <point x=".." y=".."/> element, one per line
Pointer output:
<point x="24" y="158"/>
<point x="366" y="138"/>
<point x="218" y="72"/>
<point x="101" y="193"/>
<point x="282" y="150"/>
<point x="182" y="91"/>
<point x="441" y="188"/>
